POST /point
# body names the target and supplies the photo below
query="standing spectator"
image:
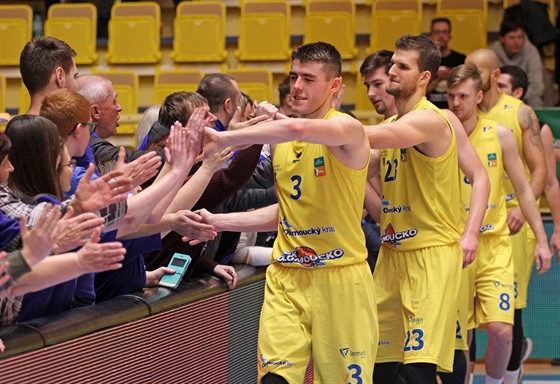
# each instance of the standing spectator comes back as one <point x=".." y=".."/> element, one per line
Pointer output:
<point x="440" y="33"/>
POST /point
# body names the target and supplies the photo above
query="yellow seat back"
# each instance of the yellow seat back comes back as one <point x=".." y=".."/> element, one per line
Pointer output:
<point x="257" y="83"/>
<point x="391" y="19"/>
<point x="2" y="93"/>
<point x="468" y="23"/>
<point x="199" y="32"/>
<point x="167" y="82"/>
<point x="15" y="31"/>
<point x="334" y="22"/>
<point x="264" y="31"/>
<point x="134" y="33"/>
<point x="75" y="24"/>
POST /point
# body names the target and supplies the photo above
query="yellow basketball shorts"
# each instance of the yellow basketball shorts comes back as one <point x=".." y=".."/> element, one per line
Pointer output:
<point x="465" y="303"/>
<point x="328" y="313"/>
<point x="493" y="281"/>
<point x="417" y="293"/>
<point x="523" y="252"/>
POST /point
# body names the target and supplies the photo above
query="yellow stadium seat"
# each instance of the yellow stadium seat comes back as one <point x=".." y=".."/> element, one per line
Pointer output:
<point x="15" y="31"/>
<point x="334" y="22"/>
<point x="76" y="24"/>
<point x="264" y="31"/>
<point x="391" y="19"/>
<point x="170" y="81"/>
<point x="134" y="33"/>
<point x="257" y="83"/>
<point x="126" y="85"/>
<point x="2" y="93"/>
<point x="468" y="23"/>
<point x="199" y="32"/>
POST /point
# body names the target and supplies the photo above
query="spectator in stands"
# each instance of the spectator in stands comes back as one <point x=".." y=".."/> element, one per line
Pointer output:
<point x="285" y="97"/>
<point x="149" y="117"/>
<point x="440" y="32"/>
<point x="37" y="152"/>
<point x="105" y="109"/>
<point x="47" y="64"/>
<point x="514" y="48"/>
<point x="223" y="95"/>
<point x="513" y="81"/>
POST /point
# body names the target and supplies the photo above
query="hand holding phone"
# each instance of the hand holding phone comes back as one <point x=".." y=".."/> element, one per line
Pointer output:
<point x="179" y="263"/>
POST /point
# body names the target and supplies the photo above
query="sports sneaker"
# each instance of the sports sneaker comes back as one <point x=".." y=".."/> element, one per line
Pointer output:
<point x="526" y="349"/>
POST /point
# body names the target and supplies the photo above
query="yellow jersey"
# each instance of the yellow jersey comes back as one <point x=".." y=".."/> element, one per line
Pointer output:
<point x="484" y="139"/>
<point x="320" y="204"/>
<point x="505" y="113"/>
<point x="421" y="204"/>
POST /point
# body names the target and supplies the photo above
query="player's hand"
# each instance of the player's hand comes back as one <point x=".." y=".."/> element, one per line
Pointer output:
<point x="543" y="258"/>
<point x="515" y="220"/>
<point x="227" y="273"/>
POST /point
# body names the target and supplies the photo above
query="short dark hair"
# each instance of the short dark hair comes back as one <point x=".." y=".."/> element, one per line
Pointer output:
<point x="40" y="57"/>
<point x="518" y="77"/>
<point x="284" y="90"/>
<point x="510" y="24"/>
<point x="381" y="58"/>
<point x="320" y="52"/>
<point x="429" y="56"/>
<point x="440" y="20"/>
<point x="216" y="88"/>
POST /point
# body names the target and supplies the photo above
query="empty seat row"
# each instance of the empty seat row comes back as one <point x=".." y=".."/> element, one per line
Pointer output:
<point x="264" y="28"/>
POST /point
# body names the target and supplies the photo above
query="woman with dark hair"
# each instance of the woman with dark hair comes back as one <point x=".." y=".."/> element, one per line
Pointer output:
<point x="36" y="154"/>
<point x="39" y="160"/>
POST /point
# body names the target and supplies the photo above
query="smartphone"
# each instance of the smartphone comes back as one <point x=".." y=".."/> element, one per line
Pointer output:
<point x="179" y="263"/>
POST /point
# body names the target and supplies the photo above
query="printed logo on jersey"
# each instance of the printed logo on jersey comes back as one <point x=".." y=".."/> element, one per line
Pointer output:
<point x="348" y="352"/>
<point x="509" y="197"/>
<point x="313" y="231"/>
<point x="265" y="362"/>
<point x="508" y="106"/>
<point x="319" y="166"/>
<point x="415" y="320"/>
<point x="384" y="202"/>
<point x="486" y="128"/>
<point x="498" y="284"/>
<point x="404" y="155"/>
<point x="486" y="227"/>
<point x="466" y="180"/>
<point x="308" y="258"/>
<point x="391" y="236"/>
<point x="298" y="155"/>
<point x="492" y="160"/>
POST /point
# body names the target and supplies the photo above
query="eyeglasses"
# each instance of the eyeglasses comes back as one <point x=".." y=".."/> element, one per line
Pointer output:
<point x="71" y="164"/>
<point x="92" y="126"/>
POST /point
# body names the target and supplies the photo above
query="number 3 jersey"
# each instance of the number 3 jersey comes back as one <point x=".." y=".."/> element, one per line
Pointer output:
<point x="420" y="204"/>
<point x="320" y="204"/>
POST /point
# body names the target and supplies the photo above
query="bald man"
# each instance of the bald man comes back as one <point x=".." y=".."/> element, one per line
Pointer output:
<point x="521" y="119"/>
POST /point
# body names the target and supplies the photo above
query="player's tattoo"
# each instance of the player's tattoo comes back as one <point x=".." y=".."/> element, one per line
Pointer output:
<point x="529" y="124"/>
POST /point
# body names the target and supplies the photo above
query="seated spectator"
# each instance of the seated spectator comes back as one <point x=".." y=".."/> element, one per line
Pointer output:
<point x="149" y="117"/>
<point x="514" y="48"/>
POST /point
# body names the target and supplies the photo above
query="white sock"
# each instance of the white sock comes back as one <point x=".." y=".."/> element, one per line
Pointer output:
<point x="491" y="380"/>
<point x="511" y="377"/>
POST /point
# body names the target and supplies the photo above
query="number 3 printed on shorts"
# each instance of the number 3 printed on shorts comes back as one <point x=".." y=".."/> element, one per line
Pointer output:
<point x="355" y="373"/>
<point x="414" y="340"/>
<point x="296" y="179"/>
